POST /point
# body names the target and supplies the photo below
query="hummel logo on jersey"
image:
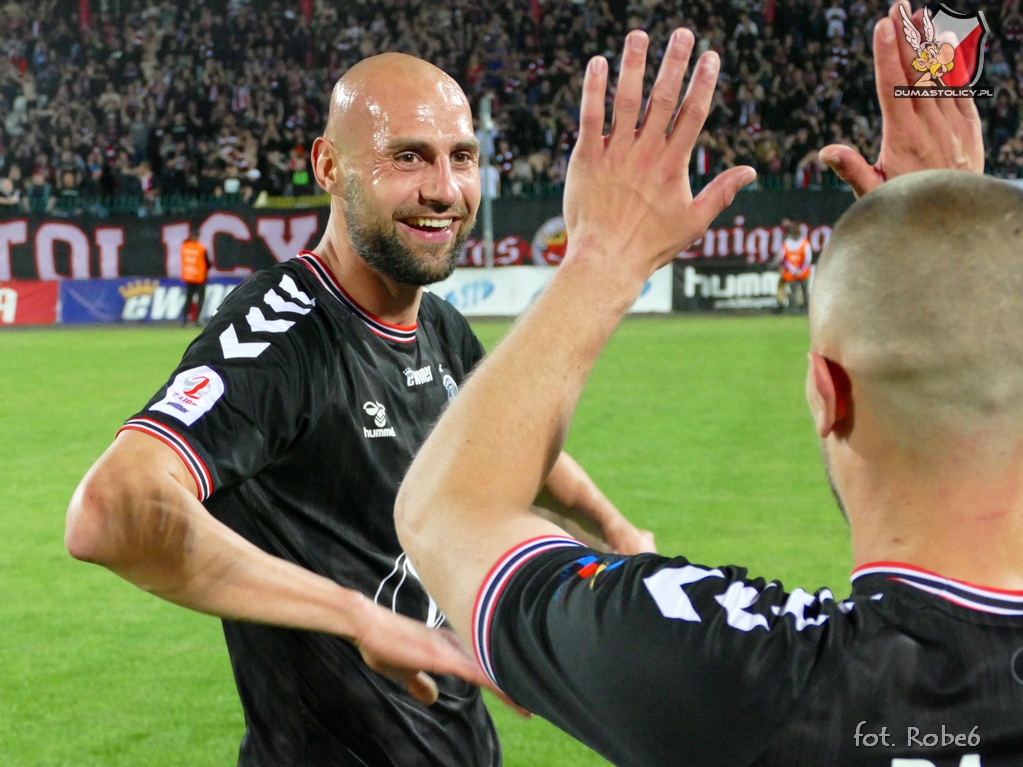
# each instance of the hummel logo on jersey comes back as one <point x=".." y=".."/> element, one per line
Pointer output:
<point x="379" y="415"/>
<point x="416" y="377"/>
<point x="258" y="323"/>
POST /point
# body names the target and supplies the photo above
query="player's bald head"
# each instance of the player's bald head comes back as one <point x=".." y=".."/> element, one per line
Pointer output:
<point x="918" y="297"/>
<point x="389" y="91"/>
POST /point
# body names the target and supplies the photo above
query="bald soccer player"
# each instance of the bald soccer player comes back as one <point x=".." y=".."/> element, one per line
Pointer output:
<point x="915" y="392"/>
<point x="258" y="485"/>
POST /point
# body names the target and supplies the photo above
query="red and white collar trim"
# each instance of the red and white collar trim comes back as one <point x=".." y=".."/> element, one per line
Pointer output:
<point x="982" y="598"/>
<point x="404" y="334"/>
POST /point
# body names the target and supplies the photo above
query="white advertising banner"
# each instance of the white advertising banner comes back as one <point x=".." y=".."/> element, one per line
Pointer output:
<point x="508" y="291"/>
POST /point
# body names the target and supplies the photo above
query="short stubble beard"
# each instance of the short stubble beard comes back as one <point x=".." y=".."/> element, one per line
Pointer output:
<point x="377" y="241"/>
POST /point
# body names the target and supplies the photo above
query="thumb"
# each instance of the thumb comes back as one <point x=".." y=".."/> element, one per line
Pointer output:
<point x="717" y="196"/>
<point x="422" y="687"/>
<point x="849" y="165"/>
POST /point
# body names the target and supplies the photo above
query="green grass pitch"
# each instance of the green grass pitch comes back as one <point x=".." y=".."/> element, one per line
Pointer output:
<point x="695" y="426"/>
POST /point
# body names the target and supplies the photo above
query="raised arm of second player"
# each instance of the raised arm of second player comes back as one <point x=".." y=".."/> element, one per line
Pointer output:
<point x="628" y="211"/>
<point x="136" y="512"/>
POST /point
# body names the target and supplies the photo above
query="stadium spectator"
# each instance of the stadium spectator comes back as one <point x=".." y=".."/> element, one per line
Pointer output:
<point x="38" y="197"/>
<point x="294" y="416"/>
<point x="919" y="410"/>
<point x="10" y="195"/>
<point x="68" y="201"/>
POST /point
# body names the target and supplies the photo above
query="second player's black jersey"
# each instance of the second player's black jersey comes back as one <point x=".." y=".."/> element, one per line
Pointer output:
<point x="660" y="662"/>
<point x="298" y="413"/>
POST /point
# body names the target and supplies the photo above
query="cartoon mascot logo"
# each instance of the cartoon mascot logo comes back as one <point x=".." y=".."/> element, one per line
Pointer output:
<point x="950" y="52"/>
<point x="933" y="59"/>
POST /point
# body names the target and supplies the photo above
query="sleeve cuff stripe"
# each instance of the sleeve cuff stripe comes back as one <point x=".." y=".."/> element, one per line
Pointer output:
<point x="193" y="462"/>
<point x="494" y="584"/>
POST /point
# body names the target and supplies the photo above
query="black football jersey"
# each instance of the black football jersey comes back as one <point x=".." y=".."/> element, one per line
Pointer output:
<point x="298" y="413"/>
<point x="660" y="662"/>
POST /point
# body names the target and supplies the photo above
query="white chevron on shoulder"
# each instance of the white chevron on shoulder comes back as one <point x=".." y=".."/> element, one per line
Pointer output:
<point x="258" y="322"/>
<point x="279" y="305"/>
<point x="233" y="348"/>
<point x="292" y="290"/>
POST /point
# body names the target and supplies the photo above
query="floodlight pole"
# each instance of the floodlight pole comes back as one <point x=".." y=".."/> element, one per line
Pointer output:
<point x="487" y="129"/>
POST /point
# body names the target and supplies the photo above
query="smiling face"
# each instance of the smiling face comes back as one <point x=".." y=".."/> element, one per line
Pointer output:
<point x="407" y="166"/>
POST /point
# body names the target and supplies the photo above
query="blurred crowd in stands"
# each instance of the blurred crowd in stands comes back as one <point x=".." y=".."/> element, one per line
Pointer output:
<point x="139" y="105"/>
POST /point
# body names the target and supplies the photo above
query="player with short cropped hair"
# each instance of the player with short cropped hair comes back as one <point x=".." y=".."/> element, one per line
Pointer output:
<point x="914" y="390"/>
<point x="258" y="485"/>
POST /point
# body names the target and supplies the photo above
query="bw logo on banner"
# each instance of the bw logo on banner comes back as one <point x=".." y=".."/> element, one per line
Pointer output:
<point x="949" y="55"/>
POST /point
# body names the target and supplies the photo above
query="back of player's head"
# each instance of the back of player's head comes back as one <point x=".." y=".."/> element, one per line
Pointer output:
<point x="918" y="297"/>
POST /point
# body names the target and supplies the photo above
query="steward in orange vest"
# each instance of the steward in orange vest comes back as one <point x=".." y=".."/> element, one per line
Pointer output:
<point x="794" y="261"/>
<point x="195" y="265"/>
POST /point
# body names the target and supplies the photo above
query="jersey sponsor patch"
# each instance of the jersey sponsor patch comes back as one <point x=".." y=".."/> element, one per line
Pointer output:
<point x="191" y="394"/>
<point x="418" y="377"/>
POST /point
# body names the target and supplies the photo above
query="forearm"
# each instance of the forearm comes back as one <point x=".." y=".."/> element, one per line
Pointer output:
<point x="463" y="514"/>
<point x="571" y="494"/>
<point x="146" y="526"/>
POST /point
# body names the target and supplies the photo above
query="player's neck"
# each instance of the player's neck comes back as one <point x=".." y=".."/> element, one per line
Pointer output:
<point x="964" y="524"/>
<point x="387" y="300"/>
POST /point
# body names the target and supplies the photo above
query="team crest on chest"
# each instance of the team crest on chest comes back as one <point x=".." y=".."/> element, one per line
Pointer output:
<point x="451" y="386"/>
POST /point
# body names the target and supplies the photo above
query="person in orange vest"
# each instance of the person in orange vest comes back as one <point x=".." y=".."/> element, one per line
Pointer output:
<point x="794" y="259"/>
<point x="195" y="265"/>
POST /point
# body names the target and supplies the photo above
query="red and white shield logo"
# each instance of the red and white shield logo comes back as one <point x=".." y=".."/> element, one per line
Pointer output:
<point x="967" y="34"/>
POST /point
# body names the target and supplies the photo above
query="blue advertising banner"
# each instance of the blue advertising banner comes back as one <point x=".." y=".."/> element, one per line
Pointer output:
<point x="141" y="299"/>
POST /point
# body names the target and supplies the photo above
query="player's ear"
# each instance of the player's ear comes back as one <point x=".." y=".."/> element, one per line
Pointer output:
<point x="829" y="394"/>
<point x="327" y="165"/>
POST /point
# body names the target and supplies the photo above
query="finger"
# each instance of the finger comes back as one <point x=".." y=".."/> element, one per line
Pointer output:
<point x="717" y="196"/>
<point x="972" y="134"/>
<point x="635" y="541"/>
<point x="664" y="95"/>
<point x="696" y="104"/>
<point x="906" y="52"/>
<point x="524" y="713"/>
<point x="968" y="108"/>
<point x="889" y="73"/>
<point x="925" y="107"/>
<point x="422" y="687"/>
<point x="629" y="93"/>
<point x="649" y="542"/>
<point x="591" y="109"/>
<point x="849" y="165"/>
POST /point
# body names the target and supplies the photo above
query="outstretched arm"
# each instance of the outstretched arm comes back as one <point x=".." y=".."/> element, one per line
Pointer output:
<point x="917" y="133"/>
<point x="136" y="513"/>
<point x="628" y="211"/>
<point x="572" y="500"/>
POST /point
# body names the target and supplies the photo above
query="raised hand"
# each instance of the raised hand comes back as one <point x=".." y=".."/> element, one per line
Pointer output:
<point x="917" y="133"/>
<point x="629" y="191"/>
